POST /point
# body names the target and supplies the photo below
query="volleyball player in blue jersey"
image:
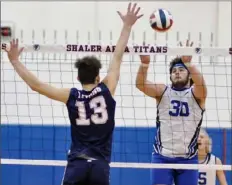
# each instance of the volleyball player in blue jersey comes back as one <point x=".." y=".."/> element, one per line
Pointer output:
<point x="91" y="110"/>
<point x="180" y="108"/>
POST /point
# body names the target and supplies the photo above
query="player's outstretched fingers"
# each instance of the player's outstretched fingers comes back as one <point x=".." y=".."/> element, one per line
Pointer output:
<point x="21" y="50"/>
<point x="17" y="43"/>
<point x="11" y="44"/>
<point x="133" y="9"/>
<point x="120" y="14"/>
<point x="137" y="11"/>
<point x="138" y="17"/>
<point x="129" y="8"/>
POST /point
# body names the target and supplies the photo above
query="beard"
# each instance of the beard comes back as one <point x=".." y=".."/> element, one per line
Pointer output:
<point x="180" y="84"/>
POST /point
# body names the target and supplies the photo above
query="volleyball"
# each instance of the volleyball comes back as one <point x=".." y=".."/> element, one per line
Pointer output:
<point x="161" y="20"/>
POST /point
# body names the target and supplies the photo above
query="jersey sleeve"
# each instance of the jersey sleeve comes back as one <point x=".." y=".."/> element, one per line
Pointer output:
<point x="106" y="90"/>
<point x="72" y="96"/>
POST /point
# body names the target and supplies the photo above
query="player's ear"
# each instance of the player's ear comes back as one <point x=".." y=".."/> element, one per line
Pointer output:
<point x="170" y="78"/>
<point x="97" y="79"/>
<point x="78" y="79"/>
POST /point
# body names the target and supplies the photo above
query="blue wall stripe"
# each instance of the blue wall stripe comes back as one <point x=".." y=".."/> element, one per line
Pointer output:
<point x="52" y="143"/>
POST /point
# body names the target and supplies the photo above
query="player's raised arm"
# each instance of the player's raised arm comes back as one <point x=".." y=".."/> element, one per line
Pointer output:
<point x="129" y="19"/>
<point x="149" y="88"/>
<point x="220" y="174"/>
<point x="199" y="87"/>
<point x="59" y="94"/>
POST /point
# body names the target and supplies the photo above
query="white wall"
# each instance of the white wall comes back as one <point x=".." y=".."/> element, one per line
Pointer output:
<point x="194" y="17"/>
<point x="224" y="24"/>
<point x="133" y="108"/>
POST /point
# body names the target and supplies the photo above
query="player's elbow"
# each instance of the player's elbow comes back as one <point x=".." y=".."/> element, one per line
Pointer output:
<point x="140" y="87"/>
<point x="204" y="92"/>
<point x="33" y="87"/>
<point x="200" y="91"/>
<point x="139" y="83"/>
<point x="36" y="87"/>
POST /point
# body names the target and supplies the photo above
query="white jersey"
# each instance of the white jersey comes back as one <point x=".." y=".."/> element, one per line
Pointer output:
<point x="208" y="177"/>
<point x="178" y="123"/>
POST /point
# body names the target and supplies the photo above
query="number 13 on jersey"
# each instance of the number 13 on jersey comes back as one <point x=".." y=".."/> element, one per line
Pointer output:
<point x="98" y="114"/>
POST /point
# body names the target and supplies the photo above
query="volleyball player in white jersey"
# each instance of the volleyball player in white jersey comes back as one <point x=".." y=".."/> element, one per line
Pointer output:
<point x="180" y="109"/>
<point x="208" y="177"/>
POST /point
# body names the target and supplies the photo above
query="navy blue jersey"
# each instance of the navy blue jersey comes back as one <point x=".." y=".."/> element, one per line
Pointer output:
<point x="91" y="114"/>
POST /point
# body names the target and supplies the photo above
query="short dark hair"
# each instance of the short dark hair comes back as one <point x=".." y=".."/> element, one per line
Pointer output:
<point x="88" y="69"/>
<point x="175" y="61"/>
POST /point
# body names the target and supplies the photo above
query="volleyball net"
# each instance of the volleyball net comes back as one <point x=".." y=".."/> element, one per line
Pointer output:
<point x="35" y="129"/>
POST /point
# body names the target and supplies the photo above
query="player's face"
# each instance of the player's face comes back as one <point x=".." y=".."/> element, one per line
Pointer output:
<point x="179" y="77"/>
<point x="202" y="142"/>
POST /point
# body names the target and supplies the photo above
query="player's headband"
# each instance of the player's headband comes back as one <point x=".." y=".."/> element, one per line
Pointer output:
<point x="180" y="65"/>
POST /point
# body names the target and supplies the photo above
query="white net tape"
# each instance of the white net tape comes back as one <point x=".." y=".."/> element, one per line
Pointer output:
<point x="136" y="49"/>
<point x="121" y="165"/>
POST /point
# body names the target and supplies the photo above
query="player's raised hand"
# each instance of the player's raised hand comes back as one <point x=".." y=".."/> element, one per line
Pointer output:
<point x="14" y="51"/>
<point x="132" y="14"/>
<point x="186" y="59"/>
<point x="145" y="59"/>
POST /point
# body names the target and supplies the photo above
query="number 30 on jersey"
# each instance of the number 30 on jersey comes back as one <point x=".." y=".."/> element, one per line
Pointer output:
<point x="179" y="108"/>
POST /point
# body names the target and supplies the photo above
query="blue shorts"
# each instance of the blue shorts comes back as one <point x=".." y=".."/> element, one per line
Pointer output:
<point x="171" y="176"/>
<point x="85" y="172"/>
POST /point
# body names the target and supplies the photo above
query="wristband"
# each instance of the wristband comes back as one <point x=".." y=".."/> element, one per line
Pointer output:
<point x="145" y="65"/>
